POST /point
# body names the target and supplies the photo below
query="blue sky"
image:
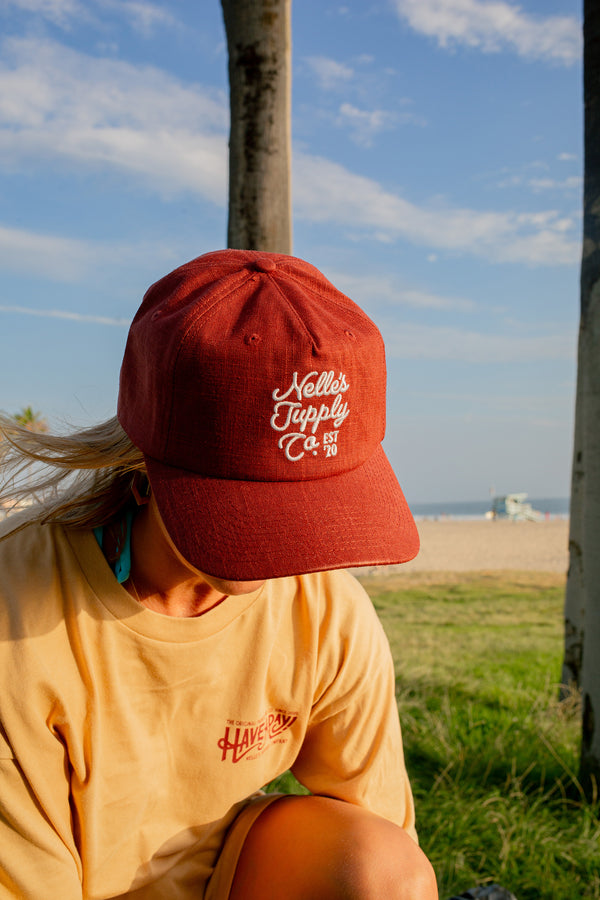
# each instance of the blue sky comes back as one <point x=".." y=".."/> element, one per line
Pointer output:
<point x="437" y="180"/>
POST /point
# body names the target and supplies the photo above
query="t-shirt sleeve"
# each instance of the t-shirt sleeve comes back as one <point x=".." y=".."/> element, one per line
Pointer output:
<point x="38" y="855"/>
<point x="353" y="746"/>
<point x="35" y="863"/>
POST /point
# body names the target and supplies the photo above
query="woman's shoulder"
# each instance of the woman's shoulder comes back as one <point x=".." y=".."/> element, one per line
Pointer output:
<point x="35" y="560"/>
<point x="333" y="601"/>
<point x="18" y="535"/>
<point x="336" y="586"/>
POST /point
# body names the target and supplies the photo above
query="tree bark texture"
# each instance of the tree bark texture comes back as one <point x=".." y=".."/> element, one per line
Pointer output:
<point x="259" y="45"/>
<point x="574" y="595"/>
<point x="588" y="407"/>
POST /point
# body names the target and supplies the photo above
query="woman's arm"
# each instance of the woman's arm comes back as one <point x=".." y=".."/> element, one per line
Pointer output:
<point x="35" y="862"/>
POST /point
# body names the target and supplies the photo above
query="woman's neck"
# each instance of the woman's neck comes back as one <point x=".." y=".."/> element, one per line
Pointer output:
<point x="159" y="579"/>
<point x="162" y="580"/>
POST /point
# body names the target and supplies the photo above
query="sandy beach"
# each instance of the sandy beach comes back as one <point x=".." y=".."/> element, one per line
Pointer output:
<point x="450" y="545"/>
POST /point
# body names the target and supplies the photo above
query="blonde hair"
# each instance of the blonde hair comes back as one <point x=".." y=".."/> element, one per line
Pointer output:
<point x="82" y="479"/>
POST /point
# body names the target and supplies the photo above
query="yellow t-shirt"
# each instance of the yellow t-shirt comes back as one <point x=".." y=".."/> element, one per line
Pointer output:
<point x="130" y="741"/>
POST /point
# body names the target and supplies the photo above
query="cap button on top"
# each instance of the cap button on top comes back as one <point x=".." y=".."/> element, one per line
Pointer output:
<point x="265" y="264"/>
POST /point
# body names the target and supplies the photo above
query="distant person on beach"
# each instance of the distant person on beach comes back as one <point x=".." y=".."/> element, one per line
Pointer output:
<point x="176" y="625"/>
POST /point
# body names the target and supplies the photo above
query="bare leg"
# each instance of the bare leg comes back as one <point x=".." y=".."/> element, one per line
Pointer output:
<point x="316" y="848"/>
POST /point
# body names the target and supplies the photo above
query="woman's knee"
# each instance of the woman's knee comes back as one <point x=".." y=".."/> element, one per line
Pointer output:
<point x="320" y="847"/>
<point x="386" y="863"/>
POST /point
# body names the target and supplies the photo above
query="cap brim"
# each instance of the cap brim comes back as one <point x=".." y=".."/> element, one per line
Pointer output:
<point x="249" y="530"/>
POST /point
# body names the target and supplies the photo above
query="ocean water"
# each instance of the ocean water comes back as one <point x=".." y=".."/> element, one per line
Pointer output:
<point x="554" y="507"/>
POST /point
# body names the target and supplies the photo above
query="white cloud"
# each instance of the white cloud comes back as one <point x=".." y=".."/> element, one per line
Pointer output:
<point x="364" y="123"/>
<point x="59" y="258"/>
<point x="330" y="74"/>
<point x="60" y="12"/>
<point x="505" y="403"/>
<point x="368" y="289"/>
<point x="408" y="340"/>
<point x="143" y="16"/>
<point x="62" y="106"/>
<point x="327" y="192"/>
<point x="542" y="180"/>
<point x="64" y="314"/>
<point x="573" y="183"/>
<point x="493" y="26"/>
<point x="57" y="103"/>
<point x="510" y="181"/>
<point x="66" y="259"/>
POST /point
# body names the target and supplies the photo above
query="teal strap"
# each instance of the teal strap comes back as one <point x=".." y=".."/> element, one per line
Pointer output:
<point x="122" y="568"/>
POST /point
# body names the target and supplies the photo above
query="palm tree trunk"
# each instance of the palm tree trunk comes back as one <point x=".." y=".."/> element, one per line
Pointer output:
<point x="589" y="406"/>
<point x="259" y="46"/>
<point x="574" y="594"/>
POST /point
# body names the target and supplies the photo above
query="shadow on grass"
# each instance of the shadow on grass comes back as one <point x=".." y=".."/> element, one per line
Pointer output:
<point x="462" y="734"/>
<point x="491" y="752"/>
<point x="496" y="790"/>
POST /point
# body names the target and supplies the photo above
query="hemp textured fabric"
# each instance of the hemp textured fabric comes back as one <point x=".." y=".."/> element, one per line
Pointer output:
<point x="256" y="391"/>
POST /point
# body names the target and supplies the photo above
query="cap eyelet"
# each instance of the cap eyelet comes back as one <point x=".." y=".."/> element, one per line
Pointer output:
<point x="350" y="334"/>
<point x="252" y="340"/>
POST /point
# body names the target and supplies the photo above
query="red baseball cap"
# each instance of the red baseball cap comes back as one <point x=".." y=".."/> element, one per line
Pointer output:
<point x="256" y="392"/>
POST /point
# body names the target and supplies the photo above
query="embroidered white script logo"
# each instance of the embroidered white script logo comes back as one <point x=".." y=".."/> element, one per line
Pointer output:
<point x="290" y="410"/>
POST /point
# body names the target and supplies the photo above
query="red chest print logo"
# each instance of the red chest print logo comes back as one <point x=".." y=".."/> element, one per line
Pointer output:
<point x="250" y="739"/>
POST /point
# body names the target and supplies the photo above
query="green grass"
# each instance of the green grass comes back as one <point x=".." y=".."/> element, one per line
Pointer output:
<point x="491" y="752"/>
